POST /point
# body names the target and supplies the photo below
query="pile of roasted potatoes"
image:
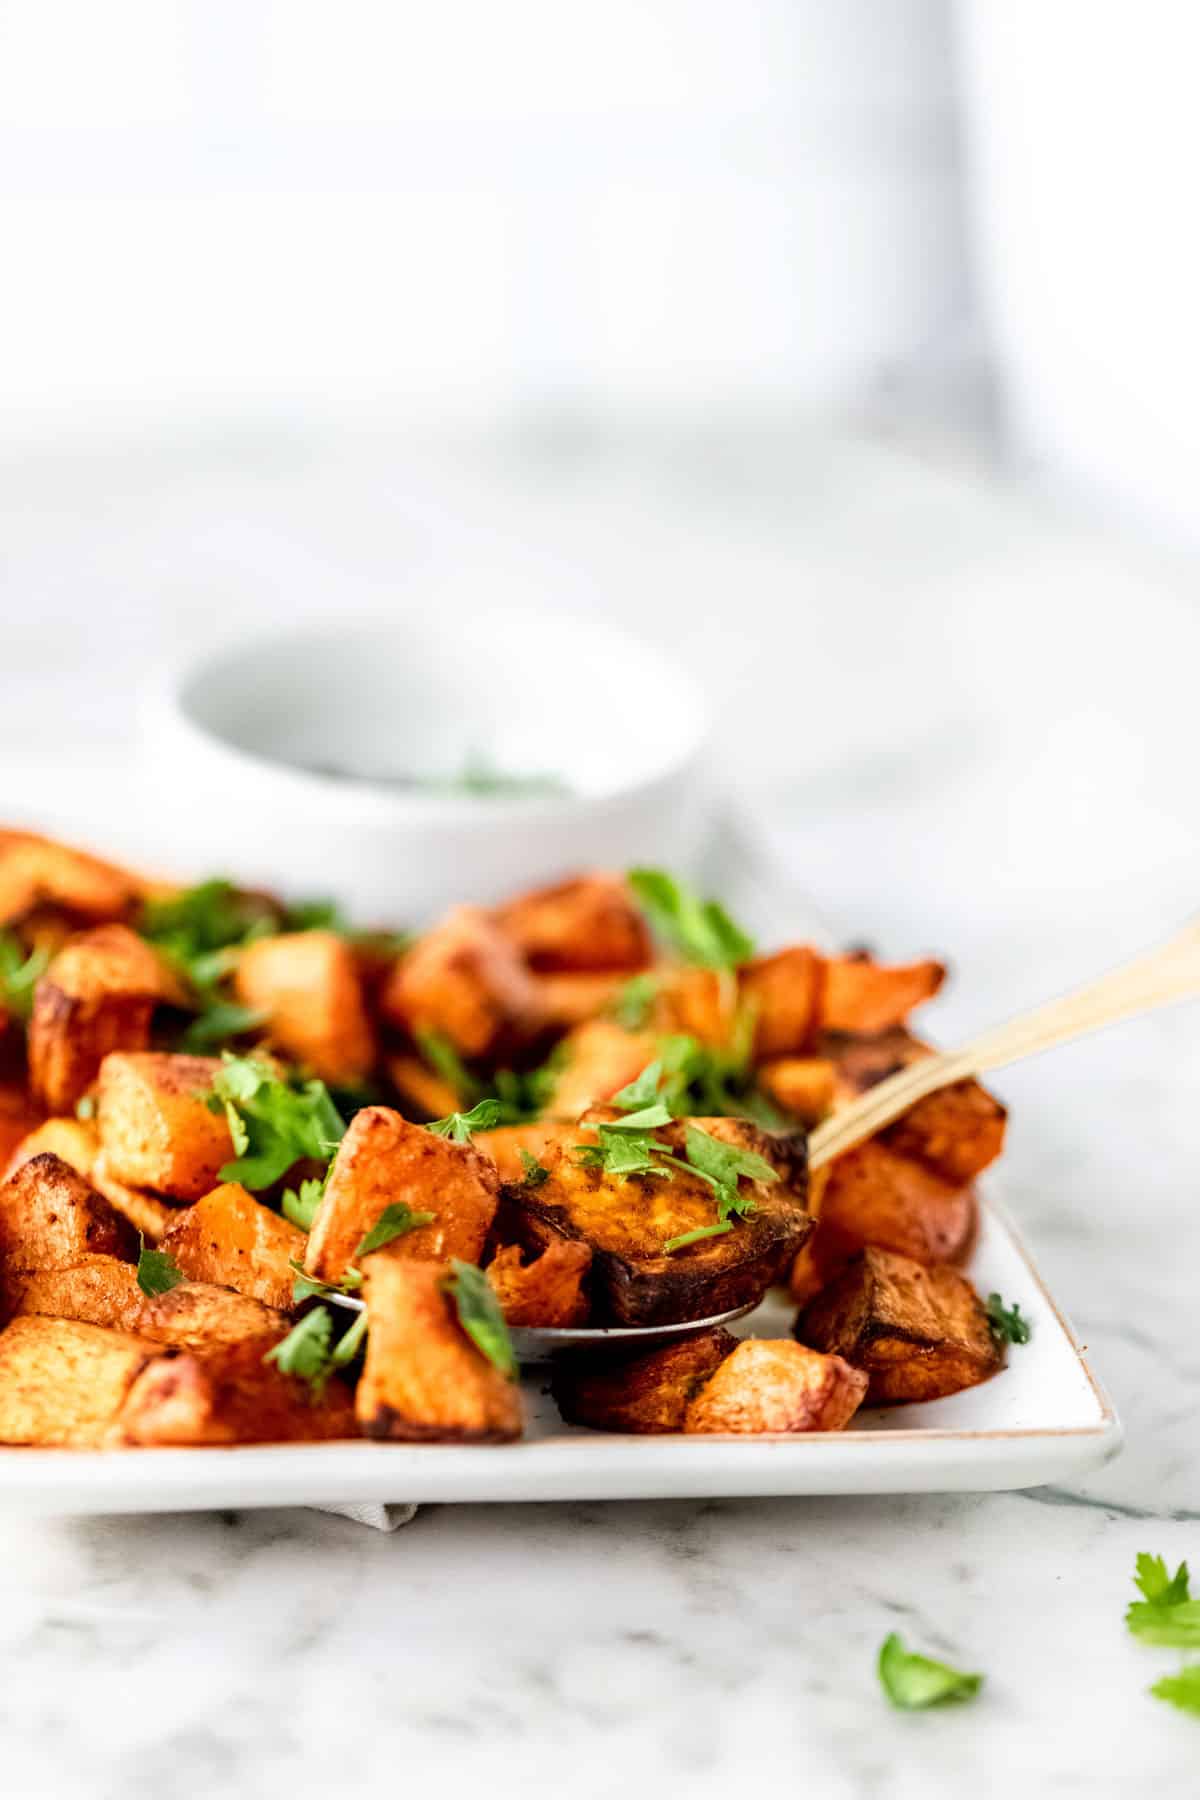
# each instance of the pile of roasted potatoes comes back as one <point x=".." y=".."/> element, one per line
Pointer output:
<point x="222" y="1115"/>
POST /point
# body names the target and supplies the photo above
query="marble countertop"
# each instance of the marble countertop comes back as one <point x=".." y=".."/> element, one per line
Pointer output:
<point x="968" y="724"/>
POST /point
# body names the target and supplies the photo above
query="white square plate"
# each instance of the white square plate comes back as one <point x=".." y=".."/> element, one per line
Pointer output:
<point x="1042" y="1418"/>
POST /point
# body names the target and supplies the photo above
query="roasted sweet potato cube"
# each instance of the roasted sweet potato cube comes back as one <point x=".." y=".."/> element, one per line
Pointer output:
<point x="74" y="1141"/>
<point x="35" y="872"/>
<point x="549" y="1291"/>
<point x="146" y="1212"/>
<point x="504" y="1143"/>
<point x="626" y="1222"/>
<point x="50" y="1217"/>
<point x="874" y="1195"/>
<point x="769" y="1385"/>
<point x="589" y="922"/>
<point x="155" y="1128"/>
<point x="424" y="1380"/>
<point x="917" y="1332"/>
<point x="648" y="1393"/>
<point x="97" y="995"/>
<point x="19" y="1116"/>
<point x="465" y="980"/>
<point x="567" y="999"/>
<point x="701" y="1003"/>
<point x="596" y="1060"/>
<point x="422" y="1091"/>
<point x="957" y="1132"/>
<point x="64" y="1383"/>
<point x="228" y="1395"/>
<point x="384" y="1160"/>
<point x="308" y="984"/>
<point x="100" y="1290"/>
<point x="229" y="1239"/>
<point x="784" y="991"/>
<point x="801" y="1085"/>
<point x="858" y="994"/>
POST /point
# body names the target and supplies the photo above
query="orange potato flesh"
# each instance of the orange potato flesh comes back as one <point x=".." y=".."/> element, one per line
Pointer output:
<point x="769" y="1385"/>
<point x="230" y="1239"/>
<point x="549" y="1291"/>
<point x="308" y="984"/>
<point x="590" y="922"/>
<point x="155" y="1128"/>
<point x="466" y="981"/>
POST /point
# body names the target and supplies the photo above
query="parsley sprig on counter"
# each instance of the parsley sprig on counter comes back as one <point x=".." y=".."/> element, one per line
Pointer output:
<point x="913" y="1682"/>
<point x="1167" y="1615"/>
<point x="274" y="1121"/>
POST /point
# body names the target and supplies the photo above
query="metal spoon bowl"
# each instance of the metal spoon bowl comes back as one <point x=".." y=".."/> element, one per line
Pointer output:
<point x="542" y="1343"/>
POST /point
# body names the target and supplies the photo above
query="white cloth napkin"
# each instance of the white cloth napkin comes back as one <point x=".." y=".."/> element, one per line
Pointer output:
<point x="375" y="1513"/>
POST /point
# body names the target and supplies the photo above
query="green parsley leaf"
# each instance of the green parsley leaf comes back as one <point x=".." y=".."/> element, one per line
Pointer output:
<point x="1154" y="1582"/>
<point x="157" y="1270"/>
<point x="1006" y="1324"/>
<point x="643" y="1090"/>
<point x="622" y="1152"/>
<point x="348" y="1345"/>
<point x="911" y="1681"/>
<point x="393" y="1222"/>
<point x="305" y="1351"/>
<point x="315" y="915"/>
<point x="305" y="1286"/>
<point x="724" y="1163"/>
<point x="535" y="1172"/>
<point x="301" y="1207"/>
<point x="220" y="1021"/>
<point x="632" y="1004"/>
<point x="1176" y="1624"/>
<point x="458" y="1126"/>
<point x="694" y="1237"/>
<point x="274" y="1123"/>
<point x="85" y="1107"/>
<point x="700" y="931"/>
<point x="19" y="974"/>
<point x="648" y="1119"/>
<point x="445" y="1061"/>
<point x="480" y="1316"/>
<point x="214" y="915"/>
<point x="1182" y="1690"/>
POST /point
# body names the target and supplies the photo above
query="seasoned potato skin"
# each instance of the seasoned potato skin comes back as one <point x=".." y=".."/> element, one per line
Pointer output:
<point x="647" y="1393"/>
<point x="422" y="1091"/>
<point x="36" y="872"/>
<point x="784" y="990"/>
<point x="229" y="1239"/>
<point x="100" y="1290"/>
<point x="229" y="1395"/>
<point x="597" y="1060"/>
<point x="802" y="1085"/>
<point x="50" y="1217"/>
<point x="587" y="923"/>
<point x="424" y="1381"/>
<point x="308" y="983"/>
<point x="155" y="1130"/>
<point x="467" y="981"/>
<point x="956" y="1132"/>
<point x="63" y="1383"/>
<point x="74" y="1141"/>
<point x="98" y="995"/>
<point x="384" y="1159"/>
<point x="874" y="1195"/>
<point x="504" y="1144"/>
<point x="627" y="1222"/>
<point x="918" y="1333"/>
<point x="550" y="1291"/>
<point x="860" y="995"/>
<point x="769" y="1385"/>
<point x="147" y="1213"/>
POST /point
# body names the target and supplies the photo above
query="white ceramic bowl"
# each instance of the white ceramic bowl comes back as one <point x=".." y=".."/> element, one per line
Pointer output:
<point x="243" y="746"/>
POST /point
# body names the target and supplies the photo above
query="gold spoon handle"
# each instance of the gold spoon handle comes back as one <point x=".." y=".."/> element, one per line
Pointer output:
<point x="1169" y="973"/>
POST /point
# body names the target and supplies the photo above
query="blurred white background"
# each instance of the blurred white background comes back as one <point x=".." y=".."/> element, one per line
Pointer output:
<point x="845" y="351"/>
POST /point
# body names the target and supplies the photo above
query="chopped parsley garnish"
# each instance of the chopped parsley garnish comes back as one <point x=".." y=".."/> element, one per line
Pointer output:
<point x="444" y="1060"/>
<point x="1167" y="1614"/>
<point x="157" y="1271"/>
<point x="633" y="1004"/>
<point x="393" y="1222"/>
<point x="535" y="1172"/>
<point x="305" y="1285"/>
<point x="274" y="1122"/>
<point x="1182" y="1690"/>
<point x="912" y="1681"/>
<point x="458" y="1126"/>
<point x="1005" y="1322"/>
<point x="309" y="1353"/>
<point x="85" y="1107"/>
<point x="699" y="931"/>
<point x="300" y="1205"/>
<point x="520" y="1094"/>
<point x="480" y="1315"/>
<point x="217" y="1022"/>
<point x="19" y="974"/>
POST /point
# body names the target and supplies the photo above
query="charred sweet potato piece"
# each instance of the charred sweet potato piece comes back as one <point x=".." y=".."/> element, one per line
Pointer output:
<point x="858" y="994"/>
<point x="590" y="922"/>
<point x="64" y="1383"/>
<point x="645" y="1393"/>
<point x="465" y="980"/>
<point x="802" y="1085"/>
<point x="626" y="1223"/>
<point x="74" y="1141"/>
<point x="100" y="1290"/>
<point x="97" y="995"/>
<point x="384" y="1160"/>
<point x="228" y="1395"/>
<point x="549" y="1291"/>
<point x="229" y="1239"/>
<point x="147" y="1213"/>
<point x="35" y="872"/>
<point x="917" y="1332"/>
<point x="764" y="1385"/>
<point x="50" y="1217"/>
<point x="155" y="1129"/>
<point x="957" y="1132"/>
<point x="308" y="984"/>
<point x="784" y="992"/>
<point x="596" y="1060"/>
<point x="874" y="1195"/>
<point x="423" y="1379"/>
<point x="504" y="1144"/>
